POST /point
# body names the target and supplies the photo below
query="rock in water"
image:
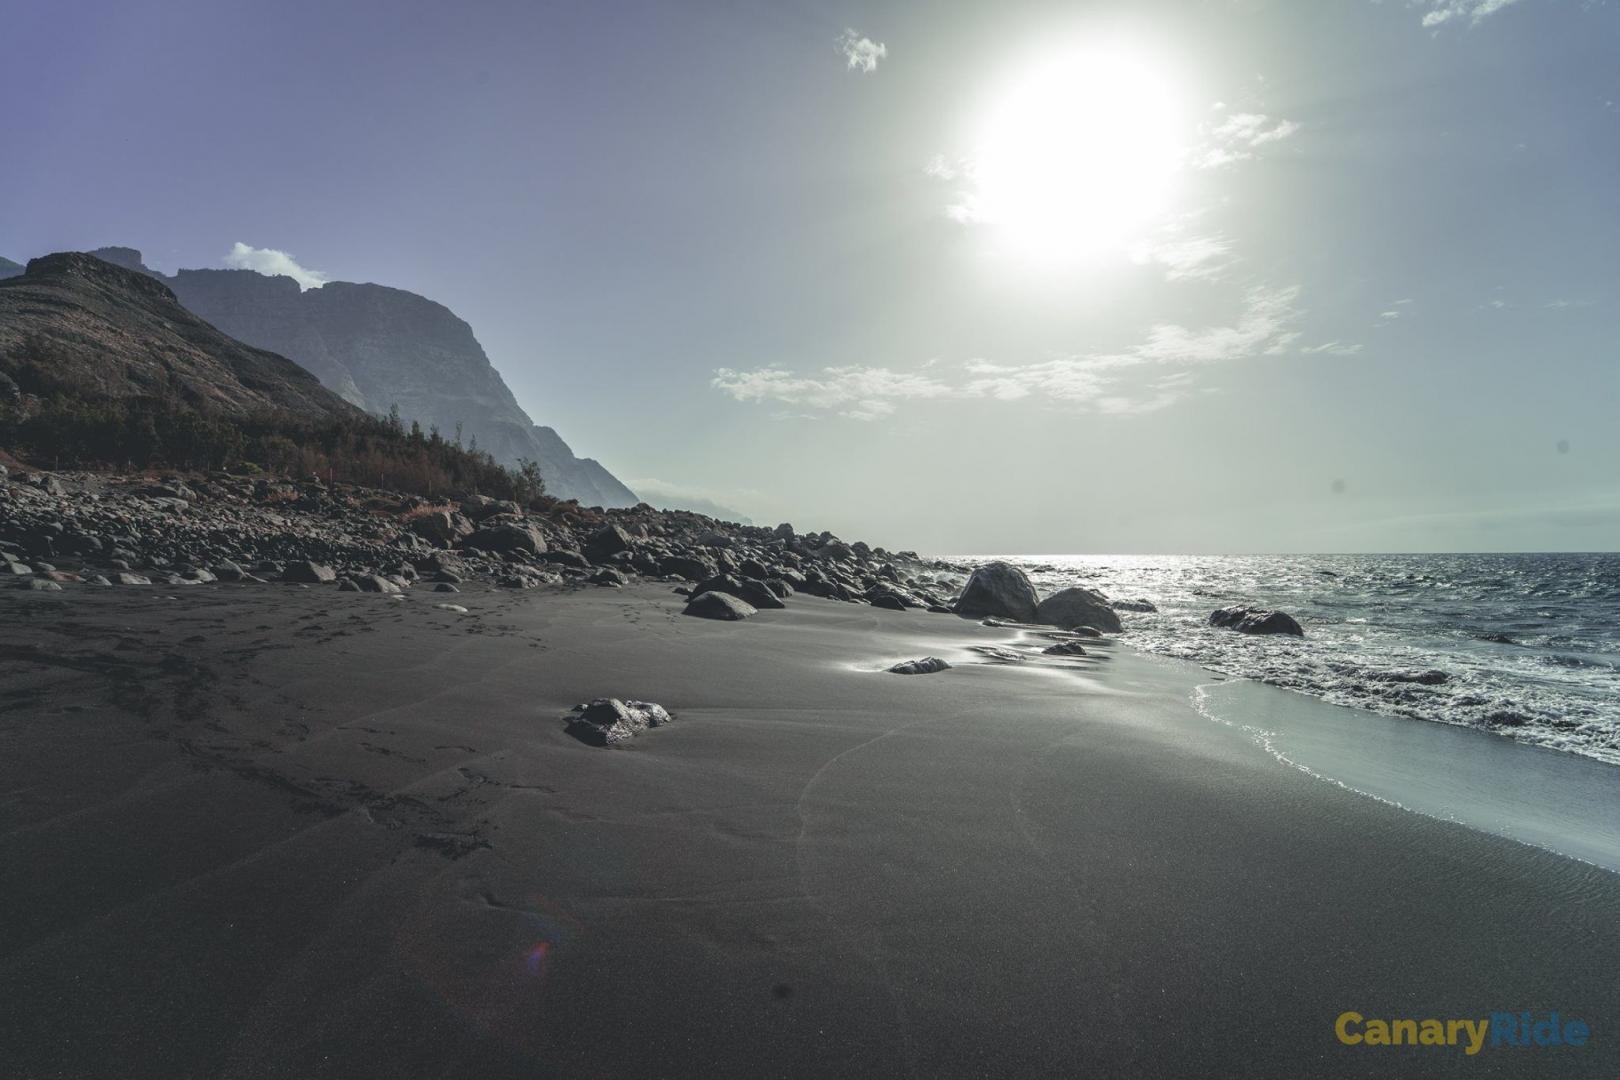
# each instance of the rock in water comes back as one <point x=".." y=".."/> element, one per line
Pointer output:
<point x="609" y="721"/>
<point x="998" y="588"/>
<point x="1078" y="607"/>
<point x="1247" y="620"/>
<point x="1065" y="648"/>
<point x="719" y="605"/>
<point x="308" y="573"/>
<point x="1134" y="605"/>
<point x="925" y="666"/>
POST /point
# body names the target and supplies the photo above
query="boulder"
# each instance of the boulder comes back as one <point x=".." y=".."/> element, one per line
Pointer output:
<point x="609" y="721"/>
<point x="1076" y="606"/>
<point x="441" y="528"/>
<point x="1065" y="648"/>
<point x="719" y="605"/>
<point x="998" y="588"/>
<point x="506" y="538"/>
<point x="752" y="590"/>
<point x="1134" y="605"/>
<point x="308" y="573"/>
<point x="606" y="542"/>
<point x="689" y="567"/>
<point x="925" y="666"/>
<point x="372" y="583"/>
<point x="1247" y="620"/>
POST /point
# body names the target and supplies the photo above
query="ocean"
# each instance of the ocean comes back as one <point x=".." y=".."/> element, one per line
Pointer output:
<point x="1526" y="646"/>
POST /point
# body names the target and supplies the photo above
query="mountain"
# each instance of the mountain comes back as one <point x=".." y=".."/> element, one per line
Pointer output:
<point x="9" y="268"/>
<point x="379" y="347"/>
<point x="73" y="320"/>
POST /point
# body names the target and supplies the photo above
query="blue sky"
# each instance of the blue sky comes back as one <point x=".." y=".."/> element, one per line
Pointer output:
<point x="1217" y="276"/>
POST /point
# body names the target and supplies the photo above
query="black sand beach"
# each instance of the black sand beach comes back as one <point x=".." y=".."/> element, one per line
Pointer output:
<point x="269" y="831"/>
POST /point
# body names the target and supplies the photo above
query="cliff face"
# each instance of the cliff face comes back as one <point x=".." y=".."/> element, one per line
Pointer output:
<point x="113" y="333"/>
<point x="379" y="347"/>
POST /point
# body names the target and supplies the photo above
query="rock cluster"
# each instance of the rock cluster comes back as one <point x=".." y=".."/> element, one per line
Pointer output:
<point x="135" y="531"/>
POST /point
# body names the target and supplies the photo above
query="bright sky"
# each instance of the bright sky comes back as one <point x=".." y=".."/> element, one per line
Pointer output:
<point x="958" y="276"/>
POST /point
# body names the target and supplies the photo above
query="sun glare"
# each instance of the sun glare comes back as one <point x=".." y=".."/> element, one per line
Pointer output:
<point x="1076" y="154"/>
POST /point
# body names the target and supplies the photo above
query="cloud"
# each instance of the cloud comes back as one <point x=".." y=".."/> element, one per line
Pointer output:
<point x="861" y="53"/>
<point x="1239" y="135"/>
<point x="1095" y="381"/>
<point x="1191" y="258"/>
<point x="1444" y="11"/>
<point x="273" y="263"/>
<point x="1332" y="348"/>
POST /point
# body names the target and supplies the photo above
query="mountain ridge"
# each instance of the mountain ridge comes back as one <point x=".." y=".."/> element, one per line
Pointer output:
<point x="380" y="347"/>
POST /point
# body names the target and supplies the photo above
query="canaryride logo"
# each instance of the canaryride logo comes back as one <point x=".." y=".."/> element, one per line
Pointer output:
<point x="1499" y="1029"/>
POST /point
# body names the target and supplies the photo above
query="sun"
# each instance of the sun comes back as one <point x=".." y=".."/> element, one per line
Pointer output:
<point x="1077" y="153"/>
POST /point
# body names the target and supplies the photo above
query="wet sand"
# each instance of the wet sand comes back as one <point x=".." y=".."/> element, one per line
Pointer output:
<point x="266" y="831"/>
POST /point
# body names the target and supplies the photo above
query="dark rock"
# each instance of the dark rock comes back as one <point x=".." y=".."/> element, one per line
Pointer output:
<point x="925" y="666"/>
<point x="719" y="605"/>
<point x="442" y="528"/>
<point x="606" y="542"/>
<point x="1134" y="605"/>
<point x="998" y="588"/>
<point x="753" y="591"/>
<point x="308" y="573"/>
<point x="445" y="586"/>
<point x="689" y="567"/>
<point x="608" y="576"/>
<point x="572" y="559"/>
<point x="1065" y="648"/>
<point x="503" y="539"/>
<point x="609" y="721"/>
<point x="1248" y="620"/>
<point x="1078" y="607"/>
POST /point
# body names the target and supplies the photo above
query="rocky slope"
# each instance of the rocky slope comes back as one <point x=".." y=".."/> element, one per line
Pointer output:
<point x="380" y="347"/>
<point x="73" y="320"/>
<point x="9" y="268"/>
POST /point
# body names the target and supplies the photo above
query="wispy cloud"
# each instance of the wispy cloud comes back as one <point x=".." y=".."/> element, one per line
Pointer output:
<point x="861" y="53"/>
<point x="1473" y="11"/>
<point x="1265" y="326"/>
<point x="1237" y="137"/>
<point x="274" y="263"/>
<point x="1187" y="258"/>
<point x="1332" y="348"/>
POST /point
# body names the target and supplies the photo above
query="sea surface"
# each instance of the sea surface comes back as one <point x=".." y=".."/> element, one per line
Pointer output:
<point x="1523" y="646"/>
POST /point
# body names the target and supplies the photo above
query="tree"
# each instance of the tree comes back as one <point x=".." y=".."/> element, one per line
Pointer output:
<point x="527" y="484"/>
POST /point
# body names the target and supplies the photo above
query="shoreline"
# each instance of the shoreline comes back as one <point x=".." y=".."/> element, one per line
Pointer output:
<point x="272" y="830"/>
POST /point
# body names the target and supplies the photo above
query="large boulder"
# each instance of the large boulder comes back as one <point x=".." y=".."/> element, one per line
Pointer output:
<point x="308" y="573"/>
<point x="998" y="588"/>
<point x="607" y="542"/>
<point x="1076" y="606"/>
<point x="1247" y="620"/>
<point x="752" y="590"/>
<point x="441" y="528"/>
<point x="505" y="538"/>
<point x="719" y="605"/>
<point x="687" y="566"/>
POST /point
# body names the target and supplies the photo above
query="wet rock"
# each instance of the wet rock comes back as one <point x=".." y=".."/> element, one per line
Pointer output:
<point x="1247" y="620"/>
<point x="719" y="605"/>
<point x="610" y="722"/>
<point x="1077" y="606"/>
<point x="1065" y="648"/>
<point x="998" y="588"/>
<point x="1134" y="605"/>
<point x="1431" y="677"/>
<point x="609" y="577"/>
<point x="927" y="665"/>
